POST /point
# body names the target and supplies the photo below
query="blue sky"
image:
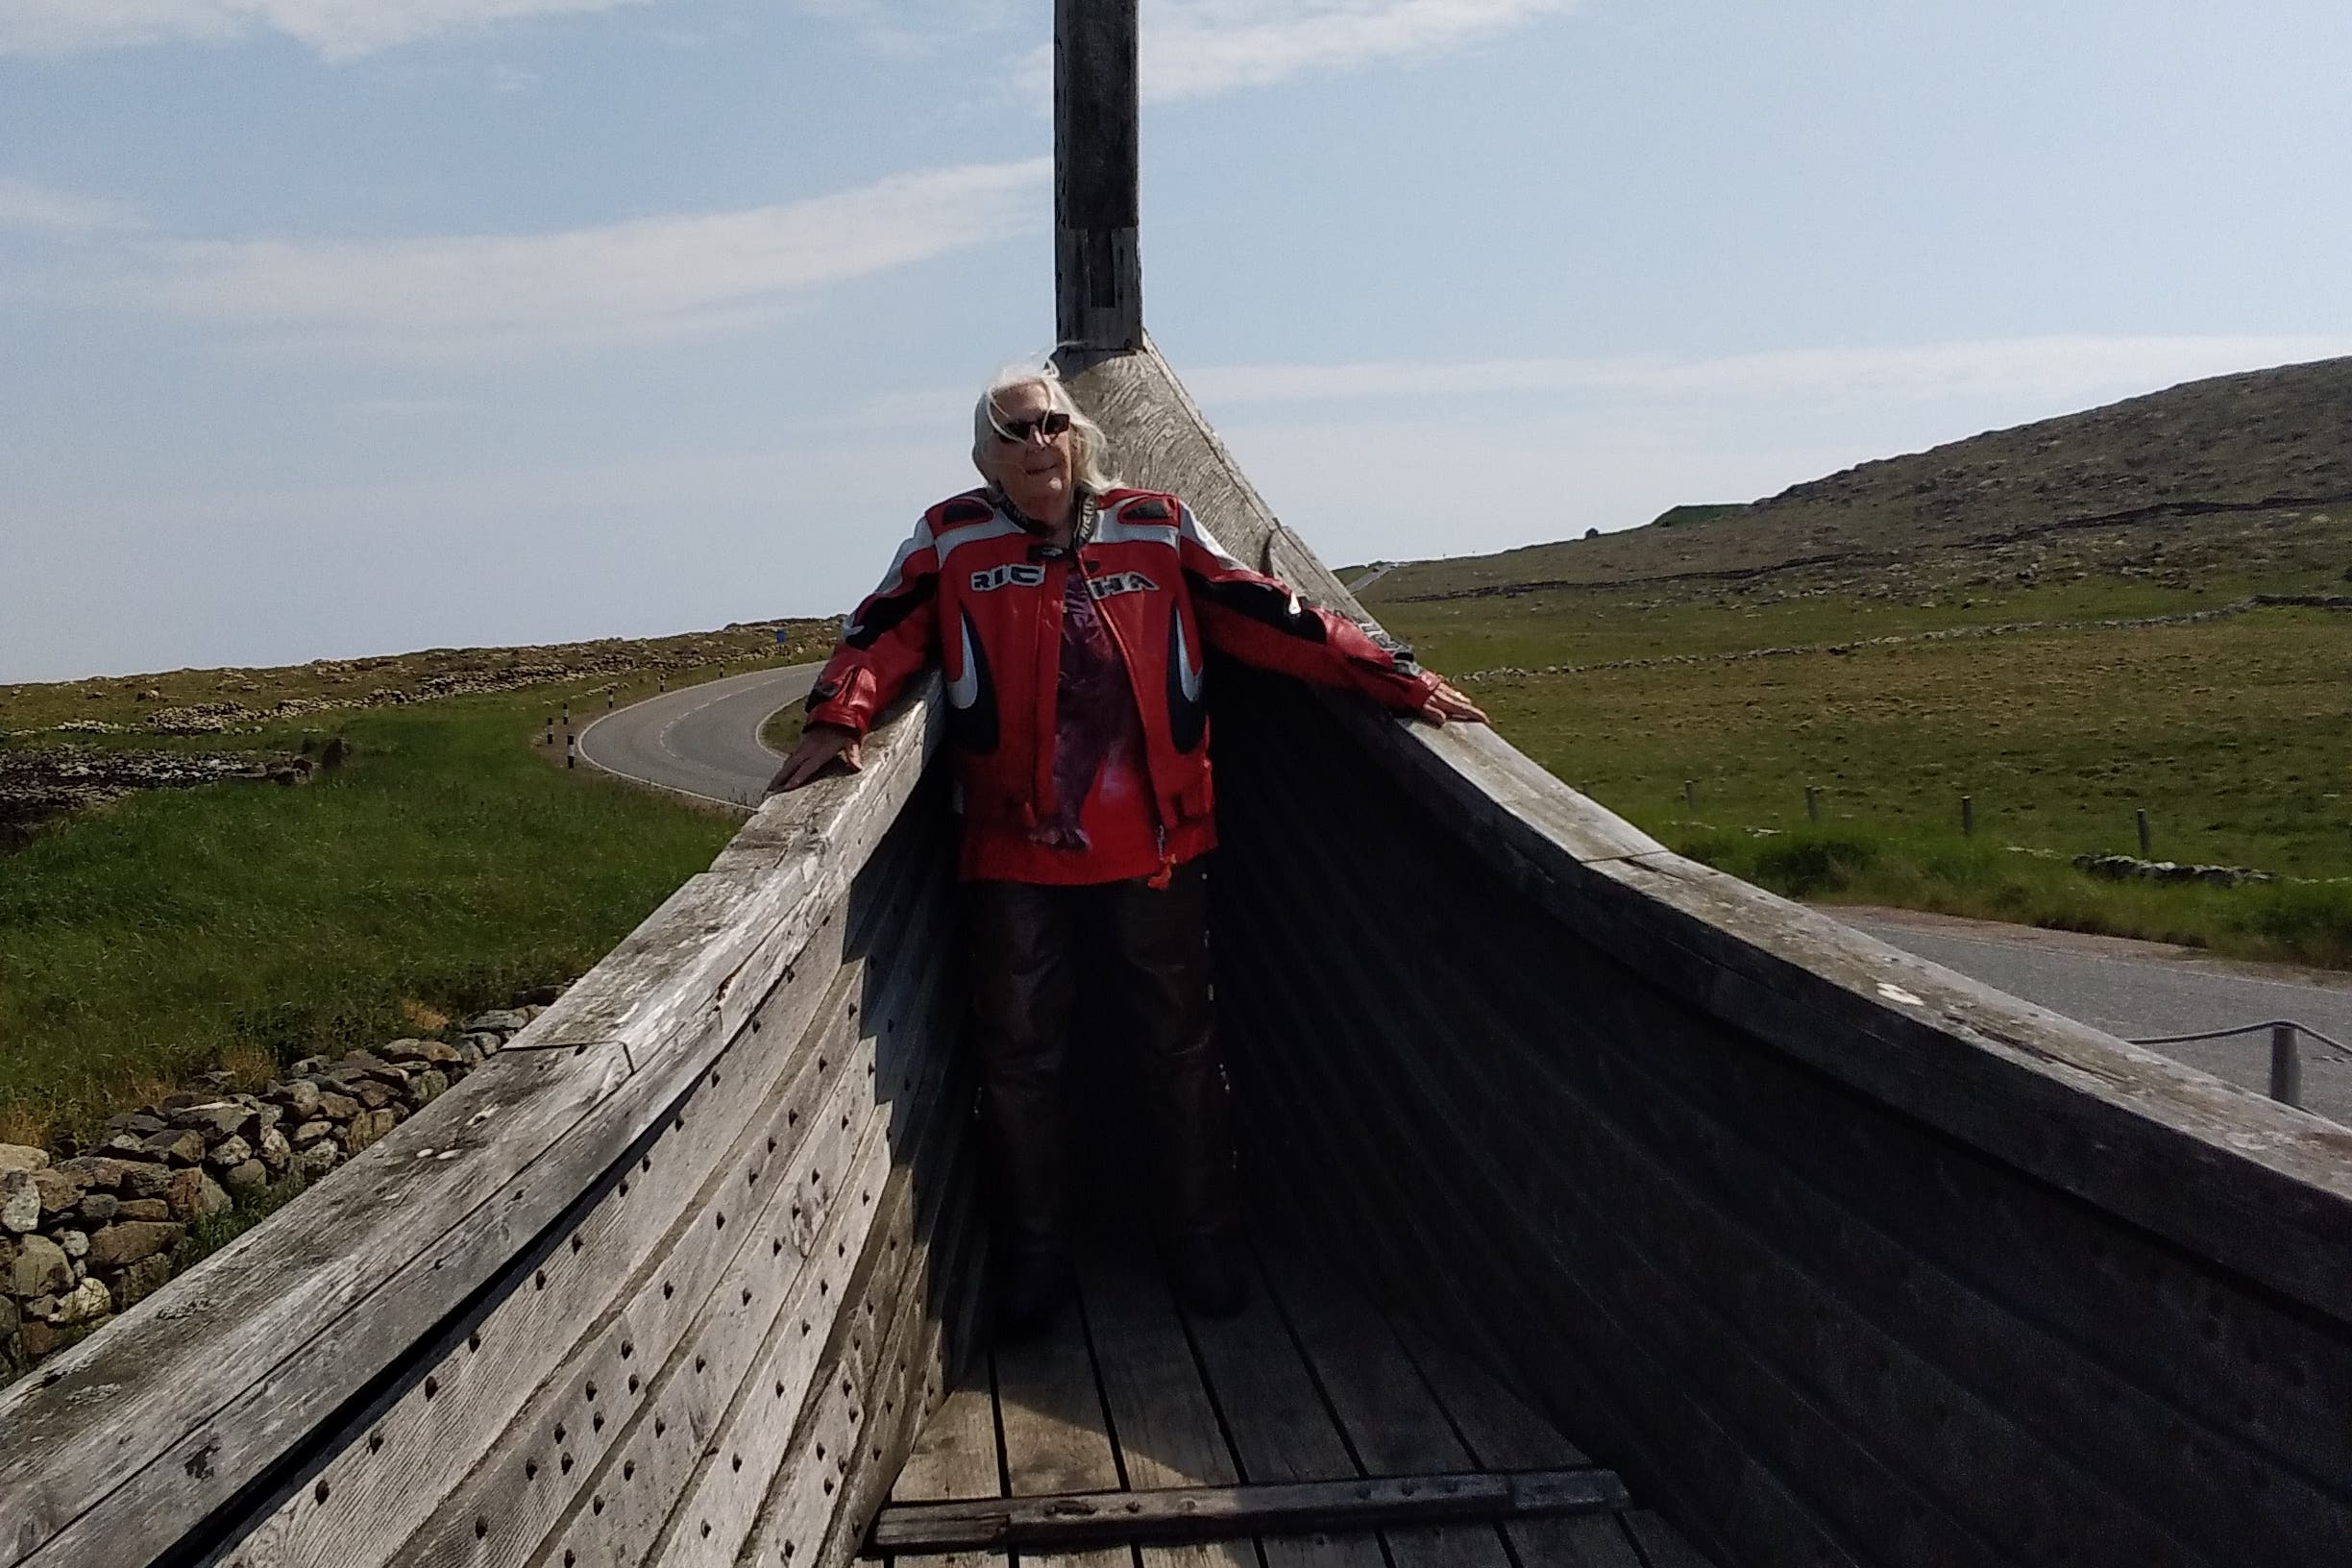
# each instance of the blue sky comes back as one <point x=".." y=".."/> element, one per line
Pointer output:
<point x="337" y="326"/>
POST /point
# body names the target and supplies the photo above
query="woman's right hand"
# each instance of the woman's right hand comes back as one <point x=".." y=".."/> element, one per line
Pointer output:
<point x="819" y="744"/>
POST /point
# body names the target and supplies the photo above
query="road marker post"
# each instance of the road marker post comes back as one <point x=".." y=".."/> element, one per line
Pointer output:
<point x="571" y="749"/>
<point x="2285" y="1065"/>
<point x="1967" y="816"/>
<point x="1812" y="804"/>
<point x="1690" y="794"/>
<point x="2140" y="817"/>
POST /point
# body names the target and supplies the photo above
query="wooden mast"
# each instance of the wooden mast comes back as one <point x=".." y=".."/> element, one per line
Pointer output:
<point x="1098" y="276"/>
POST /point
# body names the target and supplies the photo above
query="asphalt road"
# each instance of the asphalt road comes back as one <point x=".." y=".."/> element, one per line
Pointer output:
<point x="2139" y="990"/>
<point x="704" y="741"/>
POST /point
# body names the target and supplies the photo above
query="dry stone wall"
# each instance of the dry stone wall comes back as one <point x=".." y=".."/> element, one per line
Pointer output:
<point x="90" y="1234"/>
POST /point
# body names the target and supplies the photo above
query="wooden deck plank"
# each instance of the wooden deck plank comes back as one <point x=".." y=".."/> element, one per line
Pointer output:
<point x="1389" y="1413"/>
<point x="1501" y="1431"/>
<point x="1279" y="1429"/>
<point x="1162" y="1417"/>
<point x="1661" y="1544"/>
<point x="1057" y="1437"/>
<point x="955" y="1456"/>
<point x="1504" y="1435"/>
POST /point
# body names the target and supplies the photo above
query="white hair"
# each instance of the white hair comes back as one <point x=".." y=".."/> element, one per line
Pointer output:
<point x="1090" y="448"/>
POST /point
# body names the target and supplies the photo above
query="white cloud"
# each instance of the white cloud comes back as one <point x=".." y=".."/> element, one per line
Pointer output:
<point x="651" y="278"/>
<point x="2035" y="368"/>
<point x="30" y="207"/>
<point x="1199" y="48"/>
<point x="1192" y="48"/>
<point x="336" y="29"/>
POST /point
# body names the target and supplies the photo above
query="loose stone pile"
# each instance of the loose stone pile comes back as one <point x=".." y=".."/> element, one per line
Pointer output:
<point x="92" y="1233"/>
<point x="38" y="783"/>
<point x="2123" y="868"/>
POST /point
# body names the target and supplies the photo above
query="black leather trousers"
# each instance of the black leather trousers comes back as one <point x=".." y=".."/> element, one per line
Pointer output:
<point x="1145" y="950"/>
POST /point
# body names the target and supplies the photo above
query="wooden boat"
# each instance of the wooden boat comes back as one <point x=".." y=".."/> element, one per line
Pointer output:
<point x="1588" y="1177"/>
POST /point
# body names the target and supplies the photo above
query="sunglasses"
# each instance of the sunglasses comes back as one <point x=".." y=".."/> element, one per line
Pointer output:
<point x="1014" y="432"/>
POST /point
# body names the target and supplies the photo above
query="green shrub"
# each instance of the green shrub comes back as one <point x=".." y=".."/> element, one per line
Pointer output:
<point x="1807" y="866"/>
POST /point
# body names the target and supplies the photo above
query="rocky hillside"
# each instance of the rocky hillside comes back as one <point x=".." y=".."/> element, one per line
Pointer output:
<point x="2249" y="476"/>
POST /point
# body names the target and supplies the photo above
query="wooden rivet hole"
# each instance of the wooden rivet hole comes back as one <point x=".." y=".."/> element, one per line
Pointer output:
<point x="565" y="1465"/>
<point x="736" y="1461"/>
<point x="375" y="1441"/>
<point x="632" y="1383"/>
<point x="318" y="1494"/>
<point x="481" y="1526"/>
<point x="432" y="1387"/>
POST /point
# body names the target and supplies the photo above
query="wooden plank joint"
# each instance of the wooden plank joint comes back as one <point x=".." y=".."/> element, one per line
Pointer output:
<point x="1071" y="1520"/>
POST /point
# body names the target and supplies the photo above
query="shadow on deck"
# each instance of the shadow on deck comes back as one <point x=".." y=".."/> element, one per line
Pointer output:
<point x="1175" y="1437"/>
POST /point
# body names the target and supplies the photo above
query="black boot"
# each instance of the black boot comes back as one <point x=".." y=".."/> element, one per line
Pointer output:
<point x="1031" y="1290"/>
<point x="1207" y="1275"/>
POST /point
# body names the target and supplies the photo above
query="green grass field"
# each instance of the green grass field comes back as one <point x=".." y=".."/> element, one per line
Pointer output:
<point x="2234" y="734"/>
<point x="447" y="865"/>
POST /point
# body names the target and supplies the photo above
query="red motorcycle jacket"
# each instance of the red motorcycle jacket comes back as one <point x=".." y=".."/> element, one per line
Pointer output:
<point x="980" y="591"/>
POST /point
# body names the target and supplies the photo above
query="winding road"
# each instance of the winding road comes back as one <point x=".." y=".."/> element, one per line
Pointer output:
<point x="703" y="741"/>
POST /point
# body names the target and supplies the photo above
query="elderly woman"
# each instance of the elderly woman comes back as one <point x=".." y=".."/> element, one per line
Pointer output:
<point x="1073" y="618"/>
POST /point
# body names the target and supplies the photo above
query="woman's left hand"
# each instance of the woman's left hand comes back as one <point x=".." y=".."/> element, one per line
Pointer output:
<point x="1445" y="702"/>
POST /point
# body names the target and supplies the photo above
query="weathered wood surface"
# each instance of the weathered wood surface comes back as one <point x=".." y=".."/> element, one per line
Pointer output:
<point x="1838" y="1256"/>
<point x="349" y="1383"/>
<point x="1217" y="1513"/>
<point x="1098" y="282"/>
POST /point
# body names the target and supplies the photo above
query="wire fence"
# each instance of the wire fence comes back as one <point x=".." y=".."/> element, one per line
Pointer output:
<point x="2286" y="1051"/>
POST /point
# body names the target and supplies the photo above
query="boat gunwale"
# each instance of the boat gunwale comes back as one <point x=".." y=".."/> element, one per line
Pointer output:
<point x="2261" y="1188"/>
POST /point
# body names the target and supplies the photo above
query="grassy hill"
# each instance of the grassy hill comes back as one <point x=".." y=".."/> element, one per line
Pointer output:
<point x="446" y="861"/>
<point x="2069" y="622"/>
<point x="2238" y="474"/>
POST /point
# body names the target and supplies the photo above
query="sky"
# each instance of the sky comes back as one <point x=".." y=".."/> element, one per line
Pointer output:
<point x="344" y="327"/>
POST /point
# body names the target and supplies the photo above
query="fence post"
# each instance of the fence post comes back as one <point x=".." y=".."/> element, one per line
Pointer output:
<point x="1690" y="794"/>
<point x="1968" y="814"/>
<point x="2140" y="815"/>
<point x="1812" y="804"/>
<point x="2285" y="1065"/>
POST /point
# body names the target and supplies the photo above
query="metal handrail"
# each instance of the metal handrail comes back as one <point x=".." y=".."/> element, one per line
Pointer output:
<point x="2285" y="1054"/>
